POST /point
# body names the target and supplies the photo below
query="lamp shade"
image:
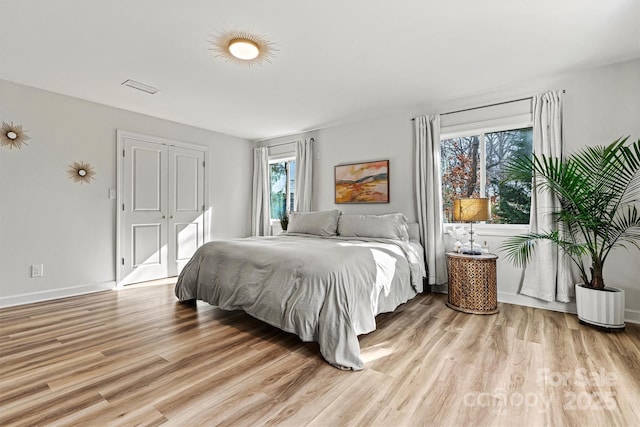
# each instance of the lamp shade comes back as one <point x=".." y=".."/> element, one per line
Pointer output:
<point x="471" y="209"/>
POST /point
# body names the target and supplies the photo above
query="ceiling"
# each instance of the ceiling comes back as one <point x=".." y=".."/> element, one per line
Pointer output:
<point x="337" y="60"/>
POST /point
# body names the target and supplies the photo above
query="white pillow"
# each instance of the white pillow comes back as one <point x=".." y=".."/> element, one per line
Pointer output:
<point x="321" y="223"/>
<point x="388" y="226"/>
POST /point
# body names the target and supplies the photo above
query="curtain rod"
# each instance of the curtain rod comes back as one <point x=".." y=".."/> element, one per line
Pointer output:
<point x="488" y="105"/>
<point x="285" y="143"/>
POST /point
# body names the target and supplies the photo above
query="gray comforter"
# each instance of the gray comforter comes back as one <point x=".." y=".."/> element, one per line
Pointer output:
<point x="327" y="290"/>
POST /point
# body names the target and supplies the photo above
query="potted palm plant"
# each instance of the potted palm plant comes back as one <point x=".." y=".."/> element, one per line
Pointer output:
<point x="284" y="220"/>
<point x="598" y="189"/>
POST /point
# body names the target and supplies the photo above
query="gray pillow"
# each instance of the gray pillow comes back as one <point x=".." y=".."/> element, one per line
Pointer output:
<point x="388" y="226"/>
<point x="321" y="223"/>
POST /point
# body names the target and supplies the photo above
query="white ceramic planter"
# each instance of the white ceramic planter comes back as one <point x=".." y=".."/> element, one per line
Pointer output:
<point x="604" y="308"/>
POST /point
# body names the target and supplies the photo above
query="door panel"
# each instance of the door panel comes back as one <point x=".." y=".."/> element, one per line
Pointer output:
<point x="186" y="195"/>
<point x="147" y="244"/>
<point x="147" y="179"/>
<point x="143" y="211"/>
<point x="186" y="240"/>
<point x="186" y="182"/>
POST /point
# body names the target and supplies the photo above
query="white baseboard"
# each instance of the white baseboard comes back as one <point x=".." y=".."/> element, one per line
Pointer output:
<point x="524" y="300"/>
<point x="32" y="297"/>
<point x="527" y="301"/>
<point x="632" y="316"/>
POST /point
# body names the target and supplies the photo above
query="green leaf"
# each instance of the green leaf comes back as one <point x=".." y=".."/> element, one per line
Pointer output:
<point x="597" y="189"/>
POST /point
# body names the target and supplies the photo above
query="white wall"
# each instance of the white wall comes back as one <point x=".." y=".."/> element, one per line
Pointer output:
<point x="388" y="138"/>
<point x="601" y="104"/>
<point x="46" y="218"/>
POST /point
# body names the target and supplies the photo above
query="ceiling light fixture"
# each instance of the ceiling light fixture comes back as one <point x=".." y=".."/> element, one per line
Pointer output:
<point x="242" y="47"/>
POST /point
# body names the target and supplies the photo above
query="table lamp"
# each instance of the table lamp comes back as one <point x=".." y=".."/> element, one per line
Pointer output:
<point x="471" y="210"/>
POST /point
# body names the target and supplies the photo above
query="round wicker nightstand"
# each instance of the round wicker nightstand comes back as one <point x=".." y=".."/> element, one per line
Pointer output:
<point x="472" y="283"/>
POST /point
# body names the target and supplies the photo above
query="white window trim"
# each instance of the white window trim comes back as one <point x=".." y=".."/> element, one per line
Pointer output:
<point x="484" y="229"/>
<point x="487" y="126"/>
<point x="279" y="158"/>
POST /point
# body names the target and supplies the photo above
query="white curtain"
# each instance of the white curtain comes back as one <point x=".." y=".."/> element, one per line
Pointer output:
<point x="428" y="195"/>
<point x="304" y="175"/>
<point x="260" y="214"/>
<point x="547" y="276"/>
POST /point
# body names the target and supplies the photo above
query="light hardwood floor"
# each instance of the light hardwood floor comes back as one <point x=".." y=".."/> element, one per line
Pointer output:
<point x="138" y="357"/>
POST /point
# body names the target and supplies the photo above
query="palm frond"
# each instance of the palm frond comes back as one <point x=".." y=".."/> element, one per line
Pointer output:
<point x="625" y="229"/>
<point x="596" y="189"/>
<point x="520" y="249"/>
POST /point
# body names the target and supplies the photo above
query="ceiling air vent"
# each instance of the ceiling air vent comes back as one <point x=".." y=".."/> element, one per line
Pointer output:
<point x="140" y="86"/>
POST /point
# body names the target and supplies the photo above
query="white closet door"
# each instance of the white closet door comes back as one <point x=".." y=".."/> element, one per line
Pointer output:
<point x="161" y="214"/>
<point x="144" y="212"/>
<point x="186" y="206"/>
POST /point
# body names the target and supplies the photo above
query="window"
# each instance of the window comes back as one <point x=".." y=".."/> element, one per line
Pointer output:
<point x="283" y="187"/>
<point x="473" y="166"/>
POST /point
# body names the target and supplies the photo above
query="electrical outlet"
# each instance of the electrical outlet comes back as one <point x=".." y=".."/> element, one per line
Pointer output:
<point x="37" y="270"/>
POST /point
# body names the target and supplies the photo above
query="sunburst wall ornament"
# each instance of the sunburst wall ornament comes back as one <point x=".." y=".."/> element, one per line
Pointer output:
<point x="81" y="172"/>
<point x="243" y="47"/>
<point x="13" y="136"/>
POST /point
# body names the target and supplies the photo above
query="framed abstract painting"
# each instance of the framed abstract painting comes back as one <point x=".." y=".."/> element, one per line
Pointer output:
<point x="362" y="182"/>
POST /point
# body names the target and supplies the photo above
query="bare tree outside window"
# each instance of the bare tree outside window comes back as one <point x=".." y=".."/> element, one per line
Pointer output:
<point x="473" y="166"/>
<point x="460" y="158"/>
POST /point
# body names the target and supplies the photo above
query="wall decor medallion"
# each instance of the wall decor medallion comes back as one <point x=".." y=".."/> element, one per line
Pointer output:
<point x="362" y="182"/>
<point x="13" y="136"/>
<point x="81" y="172"/>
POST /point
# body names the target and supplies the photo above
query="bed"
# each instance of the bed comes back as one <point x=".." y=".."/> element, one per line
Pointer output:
<point x="324" y="280"/>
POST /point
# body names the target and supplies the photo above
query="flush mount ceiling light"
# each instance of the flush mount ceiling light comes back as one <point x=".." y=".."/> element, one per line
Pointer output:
<point x="242" y="47"/>
<point x="13" y="136"/>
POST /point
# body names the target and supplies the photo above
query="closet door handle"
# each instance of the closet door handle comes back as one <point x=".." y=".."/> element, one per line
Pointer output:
<point x="170" y="216"/>
<point x="164" y="216"/>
